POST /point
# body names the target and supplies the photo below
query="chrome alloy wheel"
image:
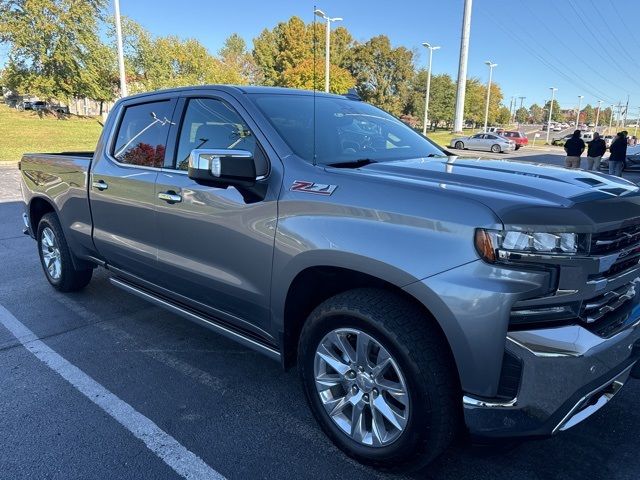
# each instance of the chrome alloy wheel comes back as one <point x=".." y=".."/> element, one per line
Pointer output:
<point x="361" y="387"/>
<point x="51" y="253"/>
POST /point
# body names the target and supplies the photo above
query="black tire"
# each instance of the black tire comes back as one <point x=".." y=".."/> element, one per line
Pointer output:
<point x="70" y="278"/>
<point x="496" y="148"/>
<point x="423" y="356"/>
<point x="517" y="147"/>
<point x="459" y="145"/>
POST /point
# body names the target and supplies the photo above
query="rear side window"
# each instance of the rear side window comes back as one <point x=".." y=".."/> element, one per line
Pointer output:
<point x="142" y="134"/>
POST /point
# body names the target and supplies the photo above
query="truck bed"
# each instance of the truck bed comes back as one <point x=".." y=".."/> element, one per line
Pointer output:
<point x="61" y="177"/>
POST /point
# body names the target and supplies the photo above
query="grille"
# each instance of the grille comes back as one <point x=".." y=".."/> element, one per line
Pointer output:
<point x="598" y="307"/>
<point x="613" y="240"/>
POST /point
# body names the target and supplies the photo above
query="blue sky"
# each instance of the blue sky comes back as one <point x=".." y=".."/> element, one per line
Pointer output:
<point x="582" y="47"/>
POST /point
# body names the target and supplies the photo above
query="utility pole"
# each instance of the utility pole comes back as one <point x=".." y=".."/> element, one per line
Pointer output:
<point x="553" y="96"/>
<point x="426" y="97"/>
<point x="462" y="66"/>
<point x="327" y="46"/>
<point x="626" y="111"/>
<point x="580" y="97"/>
<point x="511" y="109"/>
<point x="123" y="79"/>
<point x="598" y="114"/>
<point x="521" y="100"/>
<point x="635" y="131"/>
<point x="486" y="108"/>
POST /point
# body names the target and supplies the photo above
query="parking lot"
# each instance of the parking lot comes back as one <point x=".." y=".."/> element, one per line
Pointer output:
<point x="214" y="408"/>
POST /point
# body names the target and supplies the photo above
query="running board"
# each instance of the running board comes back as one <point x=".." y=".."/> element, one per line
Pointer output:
<point x="201" y="320"/>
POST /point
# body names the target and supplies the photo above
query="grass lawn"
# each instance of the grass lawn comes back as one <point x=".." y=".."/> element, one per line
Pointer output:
<point x="23" y="132"/>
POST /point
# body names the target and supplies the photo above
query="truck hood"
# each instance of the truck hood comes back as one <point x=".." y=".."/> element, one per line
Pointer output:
<point x="524" y="193"/>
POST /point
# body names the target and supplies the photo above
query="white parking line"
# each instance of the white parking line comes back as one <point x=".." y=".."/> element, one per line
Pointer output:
<point x="167" y="448"/>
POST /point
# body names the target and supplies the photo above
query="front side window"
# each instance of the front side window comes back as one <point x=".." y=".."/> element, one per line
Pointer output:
<point x="211" y="123"/>
<point x="337" y="130"/>
<point x="142" y="134"/>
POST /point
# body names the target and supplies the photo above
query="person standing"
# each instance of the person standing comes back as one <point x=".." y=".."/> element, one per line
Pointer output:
<point x="574" y="148"/>
<point x="596" y="149"/>
<point x="618" y="154"/>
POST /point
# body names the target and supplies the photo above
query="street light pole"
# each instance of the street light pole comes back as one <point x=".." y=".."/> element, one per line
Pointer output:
<point x="580" y="97"/>
<point x="486" y="108"/>
<point x="426" y="97"/>
<point x="610" y="118"/>
<point x="553" y="97"/>
<point x="327" y="46"/>
<point x="462" y="67"/>
<point x="598" y="114"/>
<point x="123" y="79"/>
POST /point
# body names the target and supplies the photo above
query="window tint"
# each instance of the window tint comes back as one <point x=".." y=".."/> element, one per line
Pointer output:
<point x="142" y="135"/>
<point x="479" y="135"/>
<point x="211" y="123"/>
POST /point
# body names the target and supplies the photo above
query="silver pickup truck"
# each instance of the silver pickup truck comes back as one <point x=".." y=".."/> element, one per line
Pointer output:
<point x="420" y="295"/>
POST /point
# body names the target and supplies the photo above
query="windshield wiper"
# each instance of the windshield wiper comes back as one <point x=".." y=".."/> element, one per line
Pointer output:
<point x="361" y="162"/>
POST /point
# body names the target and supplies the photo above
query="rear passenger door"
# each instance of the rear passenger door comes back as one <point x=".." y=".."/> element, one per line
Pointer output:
<point x="216" y="244"/>
<point x="122" y="186"/>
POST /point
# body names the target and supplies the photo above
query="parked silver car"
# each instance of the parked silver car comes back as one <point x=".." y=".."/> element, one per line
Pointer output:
<point x="484" y="141"/>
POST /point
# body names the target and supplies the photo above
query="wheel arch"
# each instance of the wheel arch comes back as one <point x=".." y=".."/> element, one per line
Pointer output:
<point x="315" y="284"/>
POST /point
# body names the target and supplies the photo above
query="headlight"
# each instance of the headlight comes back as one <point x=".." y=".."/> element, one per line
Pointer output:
<point x="489" y="241"/>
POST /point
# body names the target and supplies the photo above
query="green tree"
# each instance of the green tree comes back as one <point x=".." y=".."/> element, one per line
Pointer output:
<point x="442" y="97"/>
<point x="234" y="55"/>
<point x="54" y="48"/>
<point x="305" y="76"/>
<point x="537" y="113"/>
<point x="504" y="115"/>
<point x="382" y="72"/>
<point x="556" y="114"/>
<point x="588" y="114"/>
<point x="522" y="115"/>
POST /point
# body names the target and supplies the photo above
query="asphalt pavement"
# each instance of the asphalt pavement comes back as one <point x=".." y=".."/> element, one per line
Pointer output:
<point x="99" y="384"/>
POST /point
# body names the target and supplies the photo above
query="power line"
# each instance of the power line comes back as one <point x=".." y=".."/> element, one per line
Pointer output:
<point x="572" y="79"/>
<point x="568" y="47"/>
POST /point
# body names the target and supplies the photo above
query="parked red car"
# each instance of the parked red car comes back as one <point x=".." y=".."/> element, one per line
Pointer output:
<point x="518" y="137"/>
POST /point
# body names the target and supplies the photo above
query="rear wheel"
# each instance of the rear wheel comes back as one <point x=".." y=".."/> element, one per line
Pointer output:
<point x="55" y="257"/>
<point x="496" y="148"/>
<point x="379" y="378"/>
<point x="459" y="145"/>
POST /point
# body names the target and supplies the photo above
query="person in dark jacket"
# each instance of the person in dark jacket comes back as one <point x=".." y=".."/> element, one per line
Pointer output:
<point x="595" y="151"/>
<point x="618" y="155"/>
<point x="574" y="148"/>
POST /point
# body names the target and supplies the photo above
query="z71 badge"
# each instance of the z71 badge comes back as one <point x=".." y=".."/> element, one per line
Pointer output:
<point x="310" y="187"/>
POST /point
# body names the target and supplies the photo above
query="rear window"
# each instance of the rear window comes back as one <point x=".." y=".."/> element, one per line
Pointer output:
<point x="142" y="134"/>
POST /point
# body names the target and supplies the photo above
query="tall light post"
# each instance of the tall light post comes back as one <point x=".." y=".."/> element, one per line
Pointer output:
<point x="598" y="114"/>
<point x="553" y="97"/>
<point x="123" y="79"/>
<point x="426" y="97"/>
<point x="580" y="97"/>
<point x="321" y="14"/>
<point x="486" y="108"/>
<point x="610" y="118"/>
<point x="462" y="67"/>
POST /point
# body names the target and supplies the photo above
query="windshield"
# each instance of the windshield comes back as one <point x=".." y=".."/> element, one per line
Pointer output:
<point x="345" y="130"/>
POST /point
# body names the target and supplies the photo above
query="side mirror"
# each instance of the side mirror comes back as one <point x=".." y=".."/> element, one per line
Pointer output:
<point x="222" y="167"/>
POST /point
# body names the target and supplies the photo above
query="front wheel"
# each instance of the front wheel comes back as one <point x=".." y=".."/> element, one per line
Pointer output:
<point x="379" y="378"/>
<point x="55" y="257"/>
<point x="459" y="145"/>
<point x="496" y="148"/>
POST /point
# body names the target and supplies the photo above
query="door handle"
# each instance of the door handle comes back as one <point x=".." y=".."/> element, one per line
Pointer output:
<point x="170" y="197"/>
<point x="100" y="185"/>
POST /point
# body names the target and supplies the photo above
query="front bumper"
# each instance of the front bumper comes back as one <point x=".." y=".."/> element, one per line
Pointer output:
<point x="568" y="373"/>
